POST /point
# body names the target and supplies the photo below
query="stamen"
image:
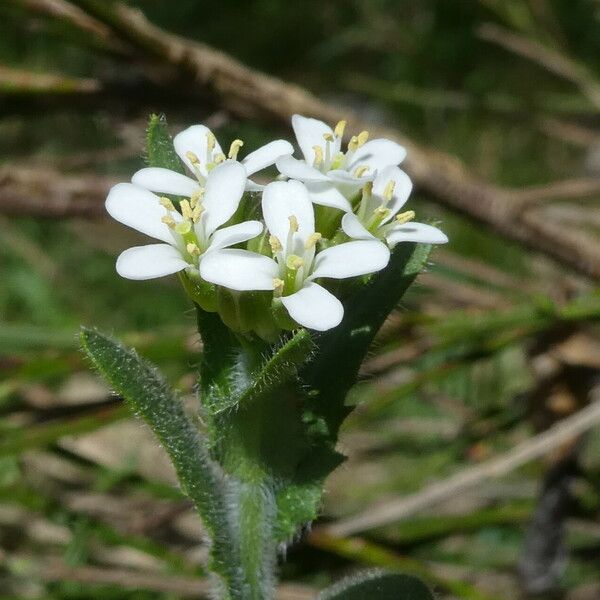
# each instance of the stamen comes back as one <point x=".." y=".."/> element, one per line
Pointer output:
<point x="294" y="262"/>
<point x="234" y="149"/>
<point x="169" y="221"/>
<point x="192" y="249"/>
<point x="367" y="191"/>
<point x="197" y="212"/>
<point x="338" y="161"/>
<point x="382" y="212"/>
<point x="318" y="156"/>
<point x="186" y="209"/>
<point x="293" y="223"/>
<point x="362" y="138"/>
<point x="167" y="204"/>
<point x="275" y="244"/>
<point x="312" y="240"/>
<point x="388" y="192"/>
<point x="278" y="286"/>
<point x="353" y="144"/>
<point x="405" y="217"/>
<point x="184" y="227"/>
<point x="219" y="158"/>
<point x="211" y="141"/>
<point x="339" y="129"/>
<point x="360" y="171"/>
<point x="328" y="137"/>
<point x="192" y="158"/>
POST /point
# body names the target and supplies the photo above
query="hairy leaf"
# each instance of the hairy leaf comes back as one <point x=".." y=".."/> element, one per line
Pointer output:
<point x="159" y="146"/>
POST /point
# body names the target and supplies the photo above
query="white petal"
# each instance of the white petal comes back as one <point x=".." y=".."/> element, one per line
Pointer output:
<point x="239" y="269"/>
<point x="314" y="307"/>
<point x="252" y="186"/>
<point x="351" y="259"/>
<point x="341" y="176"/>
<point x="326" y="194"/>
<point x="416" y="232"/>
<point x="402" y="188"/>
<point x="266" y="156"/>
<point x="297" y="169"/>
<point x="353" y="228"/>
<point x="165" y="181"/>
<point x="149" y="262"/>
<point x="309" y="133"/>
<point x="224" y="189"/>
<point x="139" y="209"/>
<point x="193" y="139"/>
<point x="378" y="154"/>
<point x="283" y="199"/>
<point x="235" y="234"/>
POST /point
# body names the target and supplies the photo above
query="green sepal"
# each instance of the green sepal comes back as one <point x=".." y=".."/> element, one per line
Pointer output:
<point x="160" y="151"/>
<point x="378" y="585"/>
<point x="148" y="394"/>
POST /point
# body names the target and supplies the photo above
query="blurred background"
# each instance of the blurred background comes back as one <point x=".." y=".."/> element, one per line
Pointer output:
<point x="468" y="452"/>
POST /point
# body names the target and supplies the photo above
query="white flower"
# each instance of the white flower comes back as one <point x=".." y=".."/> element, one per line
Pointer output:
<point x="199" y="149"/>
<point x="187" y="236"/>
<point x="332" y="176"/>
<point x="378" y="214"/>
<point x="289" y="216"/>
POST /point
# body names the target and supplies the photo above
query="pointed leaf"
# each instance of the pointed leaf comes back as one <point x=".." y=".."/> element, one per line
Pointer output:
<point x="159" y="146"/>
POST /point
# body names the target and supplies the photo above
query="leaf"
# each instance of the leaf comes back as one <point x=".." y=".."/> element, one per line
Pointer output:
<point x="378" y="585"/>
<point x="159" y="146"/>
<point x="147" y="393"/>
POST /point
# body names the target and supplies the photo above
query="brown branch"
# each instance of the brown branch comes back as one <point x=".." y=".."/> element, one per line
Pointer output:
<point x="552" y="60"/>
<point x="17" y="81"/>
<point x="543" y="443"/>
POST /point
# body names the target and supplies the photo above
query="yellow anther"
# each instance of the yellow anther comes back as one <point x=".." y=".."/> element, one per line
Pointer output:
<point x="360" y="171"/>
<point x="405" y="217"/>
<point x="293" y="223"/>
<point x="339" y="129"/>
<point x="196" y="197"/>
<point x="368" y="189"/>
<point x="382" y="212"/>
<point x="166" y="203"/>
<point x="234" y="149"/>
<point x="275" y="244"/>
<point x="183" y="227"/>
<point x="186" y="209"/>
<point x="197" y="212"/>
<point x="192" y="157"/>
<point x="193" y="249"/>
<point x="328" y="137"/>
<point x="294" y="262"/>
<point x="318" y="156"/>
<point x="312" y="240"/>
<point x="388" y="192"/>
<point x="169" y="220"/>
<point x="362" y="138"/>
<point x="353" y="143"/>
<point x="211" y="141"/>
<point x="278" y="286"/>
<point x="219" y="158"/>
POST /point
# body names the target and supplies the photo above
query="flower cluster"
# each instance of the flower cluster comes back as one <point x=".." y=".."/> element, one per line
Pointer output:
<point x="202" y="220"/>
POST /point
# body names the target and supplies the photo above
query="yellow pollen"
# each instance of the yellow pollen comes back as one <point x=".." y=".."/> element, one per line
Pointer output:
<point x="183" y="227"/>
<point x="192" y="157"/>
<point x="278" y="286"/>
<point x="360" y="171"/>
<point x="388" y="192"/>
<point x="166" y="203"/>
<point x="294" y="262"/>
<point x="339" y="129"/>
<point x="234" y="149"/>
<point x="362" y="138"/>
<point x="211" y="141"/>
<point x="169" y="220"/>
<point x="197" y="212"/>
<point x="186" y="209"/>
<point x="275" y="244"/>
<point x="318" y="155"/>
<point x="405" y="217"/>
<point x="219" y="158"/>
<point x="192" y="249"/>
<point x="293" y="223"/>
<point x="312" y="240"/>
<point x="328" y="137"/>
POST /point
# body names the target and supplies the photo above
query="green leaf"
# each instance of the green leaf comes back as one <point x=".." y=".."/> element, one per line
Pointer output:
<point x="147" y="393"/>
<point x="159" y="146"/>
<point x="378" y="585"/>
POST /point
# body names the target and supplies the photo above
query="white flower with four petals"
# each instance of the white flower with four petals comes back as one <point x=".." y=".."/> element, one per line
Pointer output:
<point x="334" y="177"/>
<point x="289" y="217"/>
